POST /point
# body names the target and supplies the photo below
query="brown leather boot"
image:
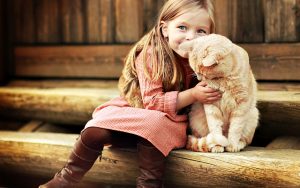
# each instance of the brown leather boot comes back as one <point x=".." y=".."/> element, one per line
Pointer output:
<point x="152" y="164"/>
<point x="80" y="161"/>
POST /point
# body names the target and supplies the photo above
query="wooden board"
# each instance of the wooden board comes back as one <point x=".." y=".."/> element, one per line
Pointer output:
<point x="47" y="21"/>
<point x="71" y="61"/>
<point x="129" y="20"/>
<point x="241" y="21"/>
<point x="274" y="61"/>
<point x="72" y="21"/>
<point x="2" y="59"/>
<point x="282" y="21"/>
<point x="285" y="142"/>
<point x="75" y="105"/>
<point x="24" y="21"/>
<point x="54" y="105"/>
<point x="268" y="61"/>
<point x="43" y="154"/>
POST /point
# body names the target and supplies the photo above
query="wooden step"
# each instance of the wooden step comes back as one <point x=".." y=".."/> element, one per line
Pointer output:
<point x="73" y="105"/>
<point x="42" y="154"/>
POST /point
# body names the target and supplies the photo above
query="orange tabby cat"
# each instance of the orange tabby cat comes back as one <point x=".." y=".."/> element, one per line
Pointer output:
<point x="228" y="124"/>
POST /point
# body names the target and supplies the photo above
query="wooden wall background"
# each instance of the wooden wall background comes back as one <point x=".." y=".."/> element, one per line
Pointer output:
<point x="89" y="38"/>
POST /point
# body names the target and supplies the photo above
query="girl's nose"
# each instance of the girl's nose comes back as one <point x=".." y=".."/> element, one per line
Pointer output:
<point x="190" y="35"/>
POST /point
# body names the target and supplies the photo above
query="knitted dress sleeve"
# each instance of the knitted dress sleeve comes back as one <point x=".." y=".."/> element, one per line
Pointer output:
<point x="153" y="96"/>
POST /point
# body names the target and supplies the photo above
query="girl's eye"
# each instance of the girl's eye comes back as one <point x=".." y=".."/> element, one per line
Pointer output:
<point x="201" y="31"/>
<point x="183" y="28"/>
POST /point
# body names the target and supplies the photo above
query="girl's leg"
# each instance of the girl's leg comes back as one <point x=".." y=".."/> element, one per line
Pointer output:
<point x="151" y="163"/>
<point x="86" y="150"/>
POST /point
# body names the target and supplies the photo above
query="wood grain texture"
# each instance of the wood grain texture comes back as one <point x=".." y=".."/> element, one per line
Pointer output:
<point x="43" y="154"/>
<point x="282" y="20"/>
<point x="72" y="21"/>
<point x="129" y="20"/>
<point x="100" y="21"/>
<point x="285" y="142"/>
<point x="75" y="105"/>
<point x="71" y="61"/>
<point x="47" y="21"/>
<point x="268" y="61"/>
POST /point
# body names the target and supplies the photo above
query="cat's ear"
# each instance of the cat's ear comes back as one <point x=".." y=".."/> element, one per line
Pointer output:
<point x="209" y="61"/>
<point x="187" y="46"/>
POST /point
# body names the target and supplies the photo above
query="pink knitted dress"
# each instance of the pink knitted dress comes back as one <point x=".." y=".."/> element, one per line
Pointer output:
<point x="157" y="122"/>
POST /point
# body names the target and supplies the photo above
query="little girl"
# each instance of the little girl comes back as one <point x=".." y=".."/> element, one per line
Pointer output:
<point x="155" y="88"/>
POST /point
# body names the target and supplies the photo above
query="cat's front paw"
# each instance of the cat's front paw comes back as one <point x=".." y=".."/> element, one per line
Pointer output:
<point x="236" y="147"/>
<point x="217" y="149"/>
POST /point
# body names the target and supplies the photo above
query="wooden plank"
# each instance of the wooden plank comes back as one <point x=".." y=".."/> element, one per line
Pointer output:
<point x="55" y="128"/>
<point x="268" y="61"/>
<point x="285" y="142"/>
<point x="71" y="61"/>
<point x="241" y="21"/>
<point x="75" y="83"/>
<point x="247" y="21"/>
<point x="151" y="13"/>
<point x="44" y="154"/>
<point x="79" y="103"/>
<point x="47" y="21"/>
<point x="72" y="18"/>
<point x="274" y="61"/>
<point x="24" y="23"/>
<point x="223" y="17"/>
<point x="129" y="20"/>
<point x="100" y="21"/>
<point x="279" y="86"/>
<point x="31" y="126"/>
<point x="2" y="53"/>
<point x="282" y="21"/>
<point x="66" y="105"/>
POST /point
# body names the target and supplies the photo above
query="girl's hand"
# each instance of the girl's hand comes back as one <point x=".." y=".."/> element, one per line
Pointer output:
<point x="205" y="94"/>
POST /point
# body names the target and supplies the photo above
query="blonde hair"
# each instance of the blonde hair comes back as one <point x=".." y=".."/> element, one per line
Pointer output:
<point x="163" y="61"/>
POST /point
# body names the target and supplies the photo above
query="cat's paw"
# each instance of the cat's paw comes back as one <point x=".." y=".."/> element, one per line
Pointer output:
<point x="192" y="143"/>
<point x="217" y="149"/>
<point x="236" y="147"/>
<point x="216" y="140"/>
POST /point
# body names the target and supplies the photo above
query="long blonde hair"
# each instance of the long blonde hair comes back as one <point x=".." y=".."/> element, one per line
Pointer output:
<point x="163" y="61"/>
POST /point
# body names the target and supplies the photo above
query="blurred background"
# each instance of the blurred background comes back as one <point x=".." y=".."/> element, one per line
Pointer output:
<point x="59" y="59"/>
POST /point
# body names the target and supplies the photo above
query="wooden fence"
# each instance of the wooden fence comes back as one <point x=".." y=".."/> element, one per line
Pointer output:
<point x="89" y="38"/>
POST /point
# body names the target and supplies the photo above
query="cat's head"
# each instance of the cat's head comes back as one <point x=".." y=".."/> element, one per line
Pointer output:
<point x="209" y="55"/>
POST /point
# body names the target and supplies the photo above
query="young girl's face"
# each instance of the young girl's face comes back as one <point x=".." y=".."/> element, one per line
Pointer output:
<point x="188" y="26"/>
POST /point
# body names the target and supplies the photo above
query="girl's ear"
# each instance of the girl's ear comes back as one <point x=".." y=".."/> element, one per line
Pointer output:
<point x="164" y="28"/>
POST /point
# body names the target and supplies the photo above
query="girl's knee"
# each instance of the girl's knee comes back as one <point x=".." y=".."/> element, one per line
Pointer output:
<point x="96" y="137"/>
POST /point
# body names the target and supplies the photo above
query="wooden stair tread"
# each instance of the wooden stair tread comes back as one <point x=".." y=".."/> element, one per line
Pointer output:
<point x="42" y="154"/>
<point x="75" y="105"/>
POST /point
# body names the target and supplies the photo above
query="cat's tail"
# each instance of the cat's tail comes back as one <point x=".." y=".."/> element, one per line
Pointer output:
<point x="197" y="144"/>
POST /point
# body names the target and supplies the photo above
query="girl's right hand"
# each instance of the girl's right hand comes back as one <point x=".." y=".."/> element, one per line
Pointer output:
<point x="204" y="94"/>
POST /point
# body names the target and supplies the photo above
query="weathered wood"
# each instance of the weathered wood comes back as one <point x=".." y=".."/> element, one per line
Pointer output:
<point x="241" y="21"/>
<point x="72" y="19"/>
<point x="31" y="126"/>
<point x="274" y="61"/>
<point x="71" y="61"/>
<point x="2" y="59"/>
<point x="44" y="154"/>
<point x="74" y="106"/>
<point x="279" y="86"/>
<point x="268" y="61"/>
<point x="129" y="20"/>
<point x="285" y="142"/>
<point x="71" y="106"/>
<point x="24" y="22"/>
<point x="282" y="21"/>
<point x="47" y="21"/>
<point x="52" y="83"/>
<point x="100" y="21"/>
